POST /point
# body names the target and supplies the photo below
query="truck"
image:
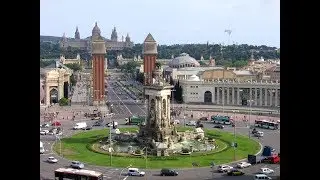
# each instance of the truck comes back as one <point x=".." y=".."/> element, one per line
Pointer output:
<point x="268" y="156"/>
<point x="135" y="120"/>
<point x="80" y="125"/>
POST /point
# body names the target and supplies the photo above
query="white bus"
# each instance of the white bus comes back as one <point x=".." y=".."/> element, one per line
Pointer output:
<point x="41" y="148"/>
<point x="81" y="174"/>
<point x="266" y="124"/>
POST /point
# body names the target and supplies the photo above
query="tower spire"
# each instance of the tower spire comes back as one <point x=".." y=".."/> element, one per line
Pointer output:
<point x="77" y="34"/>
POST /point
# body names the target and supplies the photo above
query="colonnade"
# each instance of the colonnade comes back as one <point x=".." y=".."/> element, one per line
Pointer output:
<point x="260" y="96"/>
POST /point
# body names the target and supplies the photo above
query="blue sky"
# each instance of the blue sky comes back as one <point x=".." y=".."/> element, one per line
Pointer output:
<point x="255" y="22"/>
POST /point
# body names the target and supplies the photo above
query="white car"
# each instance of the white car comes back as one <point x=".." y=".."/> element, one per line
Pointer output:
<point x="44" y="132"/>
<point x="261" y="176"/>
<point x="224" y="168"/>
<point x="243" y="165"/>
<point x="266" y="171"/>
<point x="258" y="134"/>
<point x="191" y="123"/>
<point x="135" y="172"/>
<point x="52" y="160"/>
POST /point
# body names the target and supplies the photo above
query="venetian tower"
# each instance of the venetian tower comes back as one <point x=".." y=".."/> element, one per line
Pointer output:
<point x="98" y="57"/>
<point x="158" y="132"/>
<point x="149" y="58"/>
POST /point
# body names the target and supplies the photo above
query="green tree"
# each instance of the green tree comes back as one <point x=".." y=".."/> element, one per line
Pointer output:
<point x="63" y="101"/>
<point x="73" y="80"/>
<point x="74" y="66"/>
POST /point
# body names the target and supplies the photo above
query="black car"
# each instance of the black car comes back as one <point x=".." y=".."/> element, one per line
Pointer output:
<point x="218" y="126"/>
<point x="87" y="128"/>
<point x="97" y="124"/>
<point x="235" y="172"/>
<point x="168" y="172"/>
<point x="254" y="131"/>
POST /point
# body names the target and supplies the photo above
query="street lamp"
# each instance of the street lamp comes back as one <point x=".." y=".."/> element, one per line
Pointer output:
<point x="146" y="157"/>
<point x="250" y="112"/>
<point x="122" y="171"/>
<point x="57" y="137"/>
<point x="110" y="141"/>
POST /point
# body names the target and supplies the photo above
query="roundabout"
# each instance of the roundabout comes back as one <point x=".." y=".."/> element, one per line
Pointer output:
<point x="84" y="147"/>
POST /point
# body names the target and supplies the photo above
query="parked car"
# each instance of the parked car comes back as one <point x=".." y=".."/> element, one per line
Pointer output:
<point x="168" y="172"/>
<point x="219" y="126"/>
<point x="87" y="128"/>
<point x="98" y="123"/>
<point x="235" y="172"/>
<point x="77" y="165"/>
<point x="56" y="123"/>
<point x="266" y="170"/>
<point x="96" y="118"/>
<point x="135" y="172"/>
<point x="243" y="164"/>
<point x="44" y="132"/>
<point x="261" y="176"/>
<point x="204" y="119"/>
<point x="191" y="123"/>
<point x="45" y="125"/>
<point x="52" y="160"/>
<point x="224" y="168"/>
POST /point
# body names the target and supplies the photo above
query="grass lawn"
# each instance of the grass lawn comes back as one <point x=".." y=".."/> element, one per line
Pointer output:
<point x="78" y="148"/>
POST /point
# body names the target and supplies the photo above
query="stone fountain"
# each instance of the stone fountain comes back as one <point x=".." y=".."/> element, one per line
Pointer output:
<point x="158" y="134"/>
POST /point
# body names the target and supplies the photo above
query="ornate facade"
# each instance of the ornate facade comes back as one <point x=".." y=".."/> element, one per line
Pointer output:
<point x="85" y="44"/>
<point x="54" y="84"/>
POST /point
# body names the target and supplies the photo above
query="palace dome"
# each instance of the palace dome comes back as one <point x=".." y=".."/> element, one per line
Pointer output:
<point x="183" y="60"/>
<point x="194" y="78"/>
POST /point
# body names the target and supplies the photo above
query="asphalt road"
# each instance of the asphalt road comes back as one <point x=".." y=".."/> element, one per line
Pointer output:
<point x="121" y="110"/>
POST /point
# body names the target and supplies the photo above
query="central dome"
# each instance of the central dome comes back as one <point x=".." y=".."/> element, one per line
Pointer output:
<point x="183" y="60"/>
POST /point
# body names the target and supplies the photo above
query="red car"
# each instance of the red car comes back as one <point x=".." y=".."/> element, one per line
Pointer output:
<point x="56" y="123"/>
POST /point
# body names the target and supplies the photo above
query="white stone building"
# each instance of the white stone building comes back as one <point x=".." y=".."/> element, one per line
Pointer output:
<point x="231" y="92"/>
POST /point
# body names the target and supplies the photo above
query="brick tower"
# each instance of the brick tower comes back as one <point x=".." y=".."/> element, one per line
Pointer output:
<point x="98" y="57"/>
<point x="149" y="58"/>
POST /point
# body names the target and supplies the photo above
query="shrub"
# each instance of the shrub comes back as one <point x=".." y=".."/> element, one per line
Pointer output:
<point x="63" y="101"/>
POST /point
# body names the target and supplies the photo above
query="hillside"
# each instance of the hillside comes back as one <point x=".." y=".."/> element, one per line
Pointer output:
<point x="52" y="39"/>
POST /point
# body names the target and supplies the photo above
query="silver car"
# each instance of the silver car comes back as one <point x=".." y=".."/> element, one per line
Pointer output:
<point x="77" y="165"/>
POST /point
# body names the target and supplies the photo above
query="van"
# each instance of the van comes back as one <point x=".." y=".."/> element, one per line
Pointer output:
<point x="261" y="176"/>
<point x="135" y="172"/>
<point x="80" y="125"/>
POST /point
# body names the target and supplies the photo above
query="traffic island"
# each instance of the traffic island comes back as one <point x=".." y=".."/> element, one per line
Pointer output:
<point x="84" y="147"/>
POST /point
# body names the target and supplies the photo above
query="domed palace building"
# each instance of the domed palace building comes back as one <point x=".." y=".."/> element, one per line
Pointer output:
<point x="183" y="67"/>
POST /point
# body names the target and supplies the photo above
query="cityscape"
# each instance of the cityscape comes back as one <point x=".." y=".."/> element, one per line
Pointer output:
<point x="114" y="108"/>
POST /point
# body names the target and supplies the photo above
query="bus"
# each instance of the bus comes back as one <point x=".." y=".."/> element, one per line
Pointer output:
<point x="221" y="119"/>
<point x="266" y="124"/>
<point x="76" y="174"/>
<point x="135" y="120"/>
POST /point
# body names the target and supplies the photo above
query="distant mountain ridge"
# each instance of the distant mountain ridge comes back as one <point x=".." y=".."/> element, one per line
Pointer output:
<point x="52" y="39"/>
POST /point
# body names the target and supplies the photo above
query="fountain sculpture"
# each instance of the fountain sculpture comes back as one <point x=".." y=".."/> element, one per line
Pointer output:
<point x="158" y="134"/>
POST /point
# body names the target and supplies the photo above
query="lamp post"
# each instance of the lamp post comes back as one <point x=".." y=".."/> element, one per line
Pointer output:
<point x="60" y="148"/>
<point x="110" y="140"/>
<point x="250" y="112"/>
<point x="146" y="157"/>
<point x="122" y="171"/>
